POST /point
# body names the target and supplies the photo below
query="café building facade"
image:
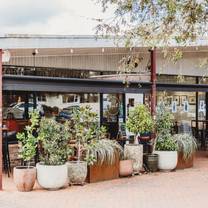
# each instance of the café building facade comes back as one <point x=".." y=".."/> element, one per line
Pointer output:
<point x="58" y="73"/>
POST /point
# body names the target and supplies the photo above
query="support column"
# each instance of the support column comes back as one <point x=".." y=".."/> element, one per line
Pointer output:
<point x="1" y="119"/>
<point x="153" y="80"/>
<point x="206" y="101"/>
<point x="197" y="111"/>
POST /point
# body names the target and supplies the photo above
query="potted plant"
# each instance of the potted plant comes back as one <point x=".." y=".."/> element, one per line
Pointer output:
<point x="187" y="146"/>
<point x="52" y="172"/>
<point x="83" y="131"/>
<point x="125" y="167"/>
<point x="25" y="176"/>
<point x="90" y="144"/>
<point x="151" y="161"/>
<point x="107" y="154"/>
<point x="139" y="122"/>
<point x="166" y="147"/>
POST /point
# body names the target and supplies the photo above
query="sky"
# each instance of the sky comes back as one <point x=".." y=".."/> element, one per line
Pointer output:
<point x="56" y="17"/>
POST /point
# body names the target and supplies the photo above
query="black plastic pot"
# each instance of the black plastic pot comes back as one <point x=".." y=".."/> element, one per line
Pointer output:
<point x="151" y="162"/>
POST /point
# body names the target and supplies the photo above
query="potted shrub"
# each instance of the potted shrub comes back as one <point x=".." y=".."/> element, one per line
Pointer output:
<point x="166" y="147"/>
<point x="90" y="144"/>
<point x="139" y="122"/>
<point x="52" y="172"/>
<point x="186" y="148"/>
<point x="83" y="131"/>
<point x="25" y="176"/>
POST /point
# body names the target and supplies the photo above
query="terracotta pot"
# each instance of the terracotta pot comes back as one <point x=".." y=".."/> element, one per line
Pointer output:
<point x="182" y="164"/>
<point x="126" y="168"/>
<point x="134" y="152"/>
<point x="24" y="178"/>
<point x="77" y="172"/>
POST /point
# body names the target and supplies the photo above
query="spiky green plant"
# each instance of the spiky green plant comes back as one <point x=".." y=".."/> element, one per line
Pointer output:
<point x="106" y="150"/>
<point x="187" y="144"/>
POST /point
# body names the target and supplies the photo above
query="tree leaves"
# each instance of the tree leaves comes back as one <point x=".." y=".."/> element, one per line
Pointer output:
<point x="28" y="139"/>
<point x="140" y="120"/>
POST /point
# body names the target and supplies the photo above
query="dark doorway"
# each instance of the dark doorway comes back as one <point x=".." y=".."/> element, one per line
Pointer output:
<point x="112" y="107"/>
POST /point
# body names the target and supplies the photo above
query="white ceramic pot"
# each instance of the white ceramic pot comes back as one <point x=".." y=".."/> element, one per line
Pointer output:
<point x="134" y="152"/>
<point x="167" y="160"/>
<point x="52" y="177"/>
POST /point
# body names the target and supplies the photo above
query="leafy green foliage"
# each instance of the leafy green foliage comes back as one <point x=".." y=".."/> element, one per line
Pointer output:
<point x="150" y="23"/>
<point x="155" y="23"/>
<point x="164" y="121"/>
<point x="140" y="120"/>
<point x="186" y="144"/>
<point x="164" y="140"/>
<point x="54" y="142"/>
<point x="166" y="143"/>
<point x="90" y="139"/>
<point x="28" y="139"/>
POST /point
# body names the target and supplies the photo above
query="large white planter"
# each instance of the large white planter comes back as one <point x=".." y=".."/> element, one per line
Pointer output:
<point x="52" y="177"/>
<point x="167" y="160"/>
<point x="134" y="152"/>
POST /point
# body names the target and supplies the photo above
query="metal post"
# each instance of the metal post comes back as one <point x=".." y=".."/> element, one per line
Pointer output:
<point x="1" y="119"/>
<point x="197" y="111"/>
<point x="153" y="80"/>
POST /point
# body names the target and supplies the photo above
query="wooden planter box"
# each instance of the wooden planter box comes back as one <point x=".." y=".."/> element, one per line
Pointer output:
<point x="182" y="164"/>
<point x="103" y="172"/>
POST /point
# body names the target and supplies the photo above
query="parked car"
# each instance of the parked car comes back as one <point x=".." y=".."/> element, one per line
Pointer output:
<point x="18" y="109"/>
<point x="66" y="113"/>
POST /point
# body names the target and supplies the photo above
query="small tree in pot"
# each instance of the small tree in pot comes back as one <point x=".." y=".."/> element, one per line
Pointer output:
<point x="166" y="147"/>
<point x="90" y="144"/>
<point x="52" y="172"/>
<point x="84" y="132"/>
<point x="25" y="176"/>
<point x="139" y="122"/>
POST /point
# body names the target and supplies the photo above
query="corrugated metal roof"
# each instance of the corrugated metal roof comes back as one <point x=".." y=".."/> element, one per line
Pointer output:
<point x="53" y="41"/>
<point x="20" y="41"/>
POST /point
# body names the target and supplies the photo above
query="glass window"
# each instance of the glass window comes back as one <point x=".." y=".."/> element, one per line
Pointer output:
<point x="176" y="79"/>
<point x="183" y="107"/>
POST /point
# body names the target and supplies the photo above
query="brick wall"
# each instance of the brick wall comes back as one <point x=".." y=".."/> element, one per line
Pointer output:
<point x="13" y="153"/>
